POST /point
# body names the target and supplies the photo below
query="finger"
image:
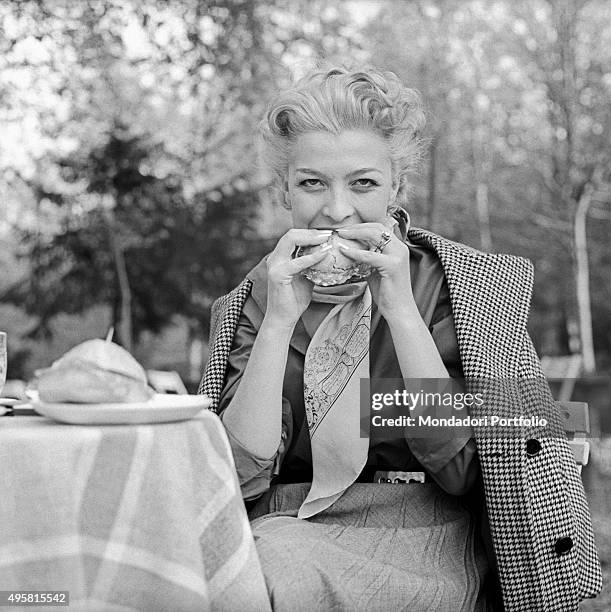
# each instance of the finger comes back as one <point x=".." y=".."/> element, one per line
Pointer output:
<point x="306" y="261"/>
<point x="359" y="255"/>
<point x="301" y="237"/>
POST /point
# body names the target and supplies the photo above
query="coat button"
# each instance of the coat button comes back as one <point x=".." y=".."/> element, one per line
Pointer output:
<point x="563" y="545"/>
<point x="533" y="447"/>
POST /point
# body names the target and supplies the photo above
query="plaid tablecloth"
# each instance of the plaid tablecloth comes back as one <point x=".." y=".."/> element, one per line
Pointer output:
<point x="126" y="517"/>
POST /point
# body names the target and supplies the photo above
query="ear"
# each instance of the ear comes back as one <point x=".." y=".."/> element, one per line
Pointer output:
<point x="285" y="198"/>
<point x="392" y="202"/>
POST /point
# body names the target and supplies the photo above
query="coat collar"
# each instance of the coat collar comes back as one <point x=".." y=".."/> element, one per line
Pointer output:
<point x="490" y="296"/>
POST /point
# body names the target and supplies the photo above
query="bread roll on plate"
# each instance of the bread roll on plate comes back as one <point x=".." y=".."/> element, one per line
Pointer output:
<point x="94" y="372"/>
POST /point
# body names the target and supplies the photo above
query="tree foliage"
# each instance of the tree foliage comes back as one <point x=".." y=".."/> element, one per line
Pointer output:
<point x="519" y="129"/>
<point x="178" y="255"/>
<point x="134" y="182"/>
<point x="134" y="121"/>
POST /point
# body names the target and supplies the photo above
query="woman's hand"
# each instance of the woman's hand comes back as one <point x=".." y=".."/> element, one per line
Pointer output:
<point x="288" y="291"/>
<point x="390" y="282"/>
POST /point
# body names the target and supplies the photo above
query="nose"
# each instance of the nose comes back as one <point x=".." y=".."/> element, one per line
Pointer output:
<point x="338" y="208"/>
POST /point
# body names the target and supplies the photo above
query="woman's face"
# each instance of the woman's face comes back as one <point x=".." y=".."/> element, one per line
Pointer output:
<point x="339" y="180"/>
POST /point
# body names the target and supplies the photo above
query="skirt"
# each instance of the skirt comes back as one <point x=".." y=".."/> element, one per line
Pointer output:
<point x="380" y="547"/>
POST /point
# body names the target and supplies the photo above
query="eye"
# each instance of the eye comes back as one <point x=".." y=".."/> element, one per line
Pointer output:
<point x="311" y="182"/>
<point x="365" y="182"/>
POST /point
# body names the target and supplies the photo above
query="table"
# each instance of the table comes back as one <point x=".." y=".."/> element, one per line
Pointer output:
<point x="125" y="517"/>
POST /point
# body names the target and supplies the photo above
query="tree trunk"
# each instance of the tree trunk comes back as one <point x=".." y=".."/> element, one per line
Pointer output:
<point x="481" y="172"/>
<point x="125" y="321"/>
<point x="124" y="324"/>
<point x="483" y="215"/>
<point x="582" y="281"/>
<point x="195" y="349"/>
<point x="432" y="181"/>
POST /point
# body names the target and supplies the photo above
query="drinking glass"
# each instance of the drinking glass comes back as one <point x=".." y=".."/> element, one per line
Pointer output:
<point x="2" y="360"/>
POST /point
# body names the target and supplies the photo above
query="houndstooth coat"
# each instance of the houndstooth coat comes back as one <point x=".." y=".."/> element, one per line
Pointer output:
<point x="538" y="514"/>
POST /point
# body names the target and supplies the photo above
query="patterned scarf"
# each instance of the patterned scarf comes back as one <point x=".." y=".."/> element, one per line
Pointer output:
<point x="336" y="359"/>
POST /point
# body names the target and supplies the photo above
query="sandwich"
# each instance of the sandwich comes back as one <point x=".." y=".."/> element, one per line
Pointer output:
<point x="94" y="372"/>
<point x="335" y="268"/>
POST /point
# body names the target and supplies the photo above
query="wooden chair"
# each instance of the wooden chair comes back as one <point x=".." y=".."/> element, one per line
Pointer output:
<point x="577" y="426"/>
<point x="564" y="369"/>
<point x="166" y="382"/>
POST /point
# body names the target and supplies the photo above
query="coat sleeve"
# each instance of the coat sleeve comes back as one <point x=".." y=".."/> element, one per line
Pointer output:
<point x="558" y="508"/>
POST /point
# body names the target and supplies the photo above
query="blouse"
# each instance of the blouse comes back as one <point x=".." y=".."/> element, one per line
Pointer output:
<point x="451" y="461"/>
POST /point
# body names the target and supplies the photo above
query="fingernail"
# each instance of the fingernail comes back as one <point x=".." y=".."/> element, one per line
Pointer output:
<point x="327" y="246"/>
<point x="325" y="232"/>
<point x="343" y="246"/>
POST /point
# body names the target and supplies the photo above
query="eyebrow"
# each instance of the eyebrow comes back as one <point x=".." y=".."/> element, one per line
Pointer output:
<point x="359" y="171"/>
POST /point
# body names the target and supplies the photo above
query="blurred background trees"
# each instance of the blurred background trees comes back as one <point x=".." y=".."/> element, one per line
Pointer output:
<point x="519" y="139"/>
<point x="131" y="193"/>
<point x="129" y="158"/>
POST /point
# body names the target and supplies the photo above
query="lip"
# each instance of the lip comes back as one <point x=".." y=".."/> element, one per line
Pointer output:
<point x="331" y="228"/>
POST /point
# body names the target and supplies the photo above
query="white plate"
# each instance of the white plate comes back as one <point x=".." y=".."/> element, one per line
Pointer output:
<point x="162" y="408"/>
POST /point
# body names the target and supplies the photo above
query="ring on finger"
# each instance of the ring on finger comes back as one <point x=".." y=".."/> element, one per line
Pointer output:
<point x="384" y="240"/>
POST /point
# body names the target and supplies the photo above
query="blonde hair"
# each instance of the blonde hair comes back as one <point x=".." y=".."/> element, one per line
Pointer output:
<point x="338" y="99"/>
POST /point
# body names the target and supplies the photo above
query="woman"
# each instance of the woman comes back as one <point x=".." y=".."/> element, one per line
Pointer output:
<point x="287" y="357"/>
